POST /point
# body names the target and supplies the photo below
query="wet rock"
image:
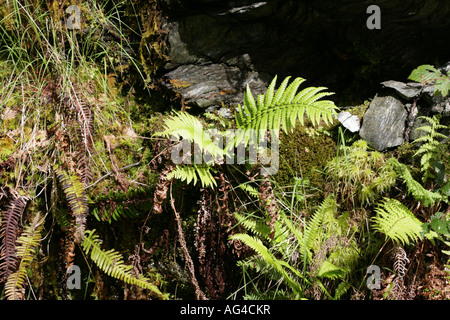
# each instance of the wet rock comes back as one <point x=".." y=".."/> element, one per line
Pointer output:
<point x="383" y="123"/>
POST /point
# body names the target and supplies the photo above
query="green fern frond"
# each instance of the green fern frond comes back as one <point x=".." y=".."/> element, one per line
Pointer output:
<point x="77" y="199"/>
<point x="193" y="174"/>
<point x="111" y="262"/>
<point x="331" y="271"/>
<point x="257" y="227"/>
<point x="281" y="109"/>
<point x="295" y="230"/>
<point x="415" y="188"/>
<point x="252" y="191"/>
<point x="185" y="126"/>
<point x="431" y="150"/>
<point x="26" y="250"/>
<point x="279" y="266"/>
<point x="312" y="229"/>
<point x="397" y="222"/>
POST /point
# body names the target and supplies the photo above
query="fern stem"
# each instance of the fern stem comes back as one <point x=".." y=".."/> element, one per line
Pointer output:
<point x="198" y="292"/>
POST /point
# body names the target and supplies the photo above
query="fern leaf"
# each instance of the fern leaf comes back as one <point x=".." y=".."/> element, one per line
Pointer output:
<point x="291" y="227"/>
<point x="312" y="229"/>
<point x="397" y="222"/>
<point x="252" y="191"/>
<point x="331" y="271"/>
<point x="259" y="228"/>
<point x="281" y="109"/>
<point x="193" y="174"/>
<point x="77" y="198"/>
<point x="111" y="262"/>
<point x="415" y="188"/>
<point x="280" y="266"/>
<point x="26" y="248"/>
<point x="184" y="126"/>
<point x="8" y="232"/>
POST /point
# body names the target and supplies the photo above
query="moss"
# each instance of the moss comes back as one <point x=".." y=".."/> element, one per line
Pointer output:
<point x="304" y="154"/>
<point x="7" y="147"/>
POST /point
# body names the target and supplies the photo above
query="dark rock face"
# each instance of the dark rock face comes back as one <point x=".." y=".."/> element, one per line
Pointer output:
<point x="217" y="47"/>
<point x="383" y="124"/>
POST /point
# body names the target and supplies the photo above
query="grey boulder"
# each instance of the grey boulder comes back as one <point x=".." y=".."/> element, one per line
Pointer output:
<point x="383" y="123"/>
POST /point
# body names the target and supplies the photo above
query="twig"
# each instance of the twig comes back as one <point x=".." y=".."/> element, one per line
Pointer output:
<point x="110" y="173"/>
<point x="198" y="292"/>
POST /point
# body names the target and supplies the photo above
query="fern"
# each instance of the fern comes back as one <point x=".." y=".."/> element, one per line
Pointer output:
<point x="184" y="126"/>
<point x="111" y="262"/>
<point x="117" y="204"/>
<point x="280" y="266"/>
<point x="397" y="222"/>
<point x="428" y="74"/>
<point x="77" y="198"/>
<point x="26" y="248"/>
<point x="257" y="227"/>
<point x="331" y="271"/>
<point x="277" y="261"/>
<point x="193" y="174"/>
<point x="362" y="172"/>
<point x="431" y="150"/>
<point x="282" y="108"/>
<point x="312" y="229"/>
<point x="188" y="128"/>
<point x="415" y="188"/>
<point x="8" y="232"/>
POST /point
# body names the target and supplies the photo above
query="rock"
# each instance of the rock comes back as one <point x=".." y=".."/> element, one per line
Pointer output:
<point x="226" y="113"/>
<point x="326" y="42"/>
<point x="349" y="121"/>
<point x="407" y="91"/>
<point x="210" y="86"/>
<point x="436" y="103"/>
<point x="383" y="123"/>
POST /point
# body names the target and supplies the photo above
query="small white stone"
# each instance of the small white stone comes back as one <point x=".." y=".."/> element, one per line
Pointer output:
<point x="349" y="121"/>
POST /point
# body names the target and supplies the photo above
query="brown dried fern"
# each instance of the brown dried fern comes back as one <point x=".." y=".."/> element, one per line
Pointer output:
<point x="8" y="232"/>
<point x="268" y="201"/>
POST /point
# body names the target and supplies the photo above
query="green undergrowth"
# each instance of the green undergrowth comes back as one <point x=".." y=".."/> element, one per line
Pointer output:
<point x="87" y="178"/>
